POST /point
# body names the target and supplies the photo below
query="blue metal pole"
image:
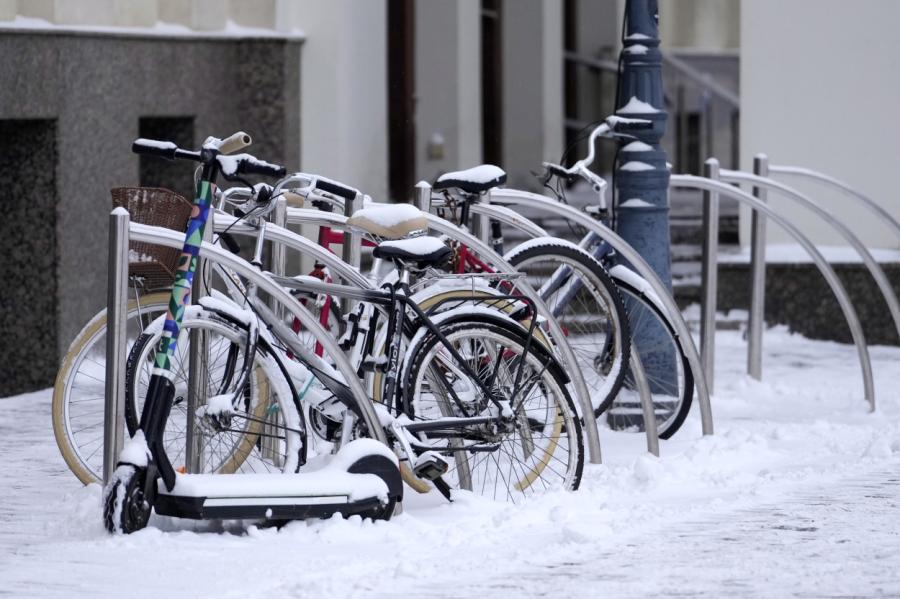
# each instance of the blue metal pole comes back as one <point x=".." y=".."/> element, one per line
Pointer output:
<point x="642" y="178"/>
<point x="642" y="183"/>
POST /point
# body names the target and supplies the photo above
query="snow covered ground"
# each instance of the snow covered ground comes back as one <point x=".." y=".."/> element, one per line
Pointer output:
<point x="797" y="494"/>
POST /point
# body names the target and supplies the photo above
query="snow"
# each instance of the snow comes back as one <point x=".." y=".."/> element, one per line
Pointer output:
<point x="484" y="173"/>
<point x="159" y="29"/>
<point x="635" y="106"/>
<point x="230" y="163"/>
<point x="793" y="253"/>
<point x="637" y="146"/>
<point x="636" y="49"/>
<point x="636" y="165"/>
<point x="637" y="36"/>
<point x="332" y="480"/>
<point x="795" y="495"/>
<point x="139" y="257"/>
<point x="636" y="203"/>
<point x="153" y="143"/>
<point x="419" y="246"/>
<point x="389" y="215"/>
<point x="135" y="450"/>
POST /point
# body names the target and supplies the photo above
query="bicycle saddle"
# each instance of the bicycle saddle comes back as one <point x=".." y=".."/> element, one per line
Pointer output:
<point x="389" y="221"/>
<point x="473" y="180"/>
<point x="423" y="251"/>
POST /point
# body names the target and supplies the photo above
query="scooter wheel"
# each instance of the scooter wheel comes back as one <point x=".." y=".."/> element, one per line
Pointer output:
<point x="125" y="507"/>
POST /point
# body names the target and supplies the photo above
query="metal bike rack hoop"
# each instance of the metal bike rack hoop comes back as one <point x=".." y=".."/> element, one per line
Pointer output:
<point x="702" y="183"/>
<point x="175" y="239"/>
<point x="587" y="407"/>
<point x="884" y="285"/>
<point x="846" y="189"/>
<point x="524" y="198"/>
<point x="506" y="216"/>
<point x="116" y="330"/>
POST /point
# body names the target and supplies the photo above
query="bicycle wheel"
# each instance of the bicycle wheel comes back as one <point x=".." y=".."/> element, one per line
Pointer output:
<point x="79" y="391"/>
<point x="222" y="446"/>
<point x="667" y="369"/>
<point x="587" y="305"/>
<point x="539" y="448"/>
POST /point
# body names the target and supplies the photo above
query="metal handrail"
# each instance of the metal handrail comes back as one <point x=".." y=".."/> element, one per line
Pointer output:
<point x="703" y="183"/>
<point x="702" y="80"/>
<point x="884" y="284"/>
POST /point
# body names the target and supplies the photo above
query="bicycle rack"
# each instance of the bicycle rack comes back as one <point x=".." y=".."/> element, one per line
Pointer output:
<point x="527" y="199"/>
<point x="339" y="221"/>
<point x="121" y="232"/>
<point x="504" y="215"/>
<point x="716" y="187"/>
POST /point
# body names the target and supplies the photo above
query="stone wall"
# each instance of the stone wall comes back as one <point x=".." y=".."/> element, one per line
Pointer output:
<point x="96" y="89"/>
<point x="798" y="296"/>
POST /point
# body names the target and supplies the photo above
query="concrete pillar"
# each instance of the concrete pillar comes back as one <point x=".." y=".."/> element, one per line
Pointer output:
<point x="344" y="82"/>
<point x="38" y="9"/>
<point x="532" y="87"/>
<point x="202" y="15"/>
<point x="136" y="13"/>
<point x="448" y="86"/>
<point x="8" y="10"/>
<point x="253" y="13"/>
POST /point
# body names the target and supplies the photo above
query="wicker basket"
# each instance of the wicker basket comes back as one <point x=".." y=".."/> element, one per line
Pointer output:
<point x="153" y="265"/>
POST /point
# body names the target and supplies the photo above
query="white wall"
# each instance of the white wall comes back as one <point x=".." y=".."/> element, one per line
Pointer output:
<point x="448" y="85"/>
<point x="343" y="126"/>
<point x="820" y="88"/>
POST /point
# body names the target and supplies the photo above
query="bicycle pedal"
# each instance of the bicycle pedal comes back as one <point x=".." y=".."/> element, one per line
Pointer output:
<point x="430" y="466"/>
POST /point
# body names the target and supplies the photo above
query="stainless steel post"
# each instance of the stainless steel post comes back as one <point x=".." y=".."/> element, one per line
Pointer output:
<point x="637" y="369"/>
<point x="709" y="275"/>
<point x="116" y="329"/>
<point x="198" y="367"/>
<point x="352" y="252"/>
<point x="270" y="443"/>
<point x="756" y="318"/>
<point x="482" y="222"/>
<point x="423" y="196"/>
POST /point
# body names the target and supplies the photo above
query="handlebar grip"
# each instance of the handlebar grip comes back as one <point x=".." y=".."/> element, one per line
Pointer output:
<point x="235" y="142"/>
<point x="294" y="200"/>
<point x="245" y="164"/>
<point x="333" y="187"/>
<point x="557" y="170"/>
<point x="623" y="125"/>
<point x="153" y="147"/>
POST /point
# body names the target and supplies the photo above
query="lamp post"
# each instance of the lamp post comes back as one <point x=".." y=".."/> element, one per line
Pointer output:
<point x="642" y="177"/>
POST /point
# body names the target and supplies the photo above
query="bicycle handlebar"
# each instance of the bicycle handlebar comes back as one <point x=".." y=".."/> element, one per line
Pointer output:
<point x="234" y="142"/>
<point x="162" y="149"/>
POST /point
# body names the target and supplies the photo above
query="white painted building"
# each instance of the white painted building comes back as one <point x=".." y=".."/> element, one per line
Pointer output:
<point x="819" y="88"/>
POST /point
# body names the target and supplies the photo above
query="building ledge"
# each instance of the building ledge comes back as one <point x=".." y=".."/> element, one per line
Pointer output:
<point x="231" y="32"/>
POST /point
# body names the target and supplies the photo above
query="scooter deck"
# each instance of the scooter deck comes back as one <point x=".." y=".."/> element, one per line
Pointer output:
<point x="360" y="479"/>
<point x="273" y="496"/>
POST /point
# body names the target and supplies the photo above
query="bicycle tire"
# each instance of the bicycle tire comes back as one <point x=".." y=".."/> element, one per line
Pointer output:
<point x="560" y="441"/>
<point x="232" y="447"/>
<point x="603" y="360"/>
<point x="83" y="454"/>
<point x="671" y="405"/>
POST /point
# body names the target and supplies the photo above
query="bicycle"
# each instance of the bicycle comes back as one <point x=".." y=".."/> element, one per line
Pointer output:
<point x="483" y="403"/>
<point x="563" y="271"/>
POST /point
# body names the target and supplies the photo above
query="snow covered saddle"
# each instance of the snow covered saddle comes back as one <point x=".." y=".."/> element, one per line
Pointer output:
<point x="472" y="180"/>
<point x="402" y="228"/>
